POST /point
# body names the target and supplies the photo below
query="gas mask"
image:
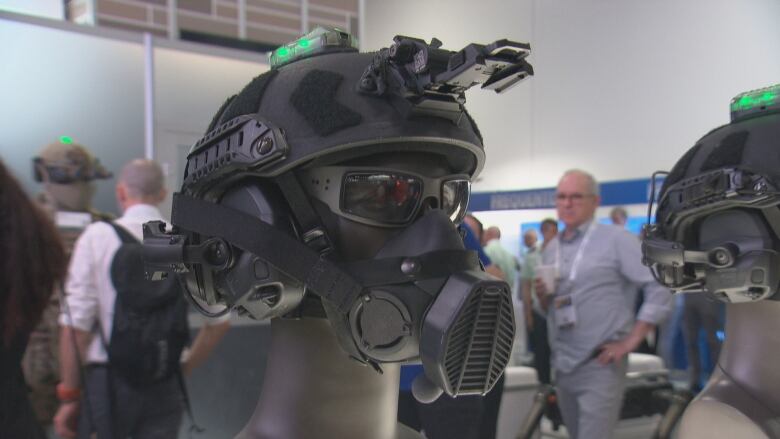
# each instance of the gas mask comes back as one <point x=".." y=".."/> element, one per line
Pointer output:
<point x="718" y="218"/>
<point x="272" y="200"/>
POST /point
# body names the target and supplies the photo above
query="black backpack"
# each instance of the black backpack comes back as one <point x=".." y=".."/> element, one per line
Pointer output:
<point x="150" y="327"/>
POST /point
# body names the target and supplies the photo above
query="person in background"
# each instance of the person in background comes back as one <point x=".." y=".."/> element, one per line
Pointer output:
<point x="535" y="320"/>
<point x="649" y="345"/>
<point x="68" y="172"/>
<point x="499" y="256"/>
<point x="509" y="265"/>
<point x="701" y="313"/>
<point x="549" y="229"/>
<point x="535" y="316"/>
<point x="470" y="416"/>
<point x="618" y="216"/>
<point x="590" y="310"/>
<point x="473" y="240"/>
<point x="32" y="265"/>
<point x="492" y="401"/>
<point x="153" y="411"/>
<point x="530" y="240"/>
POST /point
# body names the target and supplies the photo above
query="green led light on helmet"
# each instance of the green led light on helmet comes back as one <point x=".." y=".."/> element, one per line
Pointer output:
<point x="320" y="40"/>
<point x="755" y="101"/>
<point x="66" y="140"/>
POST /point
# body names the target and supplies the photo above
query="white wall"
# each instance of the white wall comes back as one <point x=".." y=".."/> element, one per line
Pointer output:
<point x="41" y="8"/>
<point x="622" y="87"/>
<point x="189" y="88"/>
<point x="54" y="83"/>
<point x="56" y="80"/>
<point x="504" y="120"/>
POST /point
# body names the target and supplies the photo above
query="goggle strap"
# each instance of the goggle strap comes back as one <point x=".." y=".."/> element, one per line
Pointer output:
<point x="312" y="233"/>
<point x="321" y="276"/>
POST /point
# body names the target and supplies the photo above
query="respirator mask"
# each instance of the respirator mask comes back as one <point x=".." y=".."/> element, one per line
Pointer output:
<point x="422" y="295"/>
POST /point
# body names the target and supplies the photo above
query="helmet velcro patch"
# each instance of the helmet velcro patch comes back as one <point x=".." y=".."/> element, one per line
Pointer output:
<point x="728" y="153"/>
<point x="248" y="101"/>
<point x="315" y="100"/>
<point x="218" y="115"/>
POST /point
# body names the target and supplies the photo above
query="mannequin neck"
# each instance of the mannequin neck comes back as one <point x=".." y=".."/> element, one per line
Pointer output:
<point x="312" y="389"/>
<point x="749" y="354"/>
<point x="75" y="197"/>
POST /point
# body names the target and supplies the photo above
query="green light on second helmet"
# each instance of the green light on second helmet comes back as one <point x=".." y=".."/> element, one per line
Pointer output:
<point x="283" y="51"/>
<point x="768" y="97"/>
<point x="66" y="140"/>
<point x="304" y="42"/>
<point x="749" y="101"/>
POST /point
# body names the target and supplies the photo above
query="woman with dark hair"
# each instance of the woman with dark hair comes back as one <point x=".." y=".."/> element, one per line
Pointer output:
<point x="32" y="264"/>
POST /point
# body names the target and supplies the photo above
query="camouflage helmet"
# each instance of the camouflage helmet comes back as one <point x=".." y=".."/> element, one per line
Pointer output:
<point x="66" y="162"/>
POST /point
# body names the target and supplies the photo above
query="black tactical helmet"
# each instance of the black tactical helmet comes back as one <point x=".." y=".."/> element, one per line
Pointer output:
<point x="329" y="187"/>
<point x="719" y="207"/>
<point x="339" y="104"/>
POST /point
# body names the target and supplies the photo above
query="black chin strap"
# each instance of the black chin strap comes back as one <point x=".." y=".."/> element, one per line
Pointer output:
<point x="308" y="261"/>
<point x="313" y="233"/>
<point x="322" y="277"/>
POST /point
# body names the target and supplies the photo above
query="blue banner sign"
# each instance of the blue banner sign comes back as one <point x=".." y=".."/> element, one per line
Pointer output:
<point x="613" y="193"/>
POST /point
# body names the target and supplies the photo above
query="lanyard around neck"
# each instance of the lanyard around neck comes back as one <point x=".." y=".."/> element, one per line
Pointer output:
<point x="578" y="257"/>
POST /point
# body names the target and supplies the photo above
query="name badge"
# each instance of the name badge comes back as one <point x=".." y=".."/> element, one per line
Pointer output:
<point x="565" y="315"/>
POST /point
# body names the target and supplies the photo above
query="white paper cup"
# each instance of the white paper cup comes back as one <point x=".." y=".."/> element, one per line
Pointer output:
<point x="547" y="274"/>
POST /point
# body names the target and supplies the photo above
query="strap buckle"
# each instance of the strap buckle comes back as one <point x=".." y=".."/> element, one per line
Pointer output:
<point x="318" y="240"/>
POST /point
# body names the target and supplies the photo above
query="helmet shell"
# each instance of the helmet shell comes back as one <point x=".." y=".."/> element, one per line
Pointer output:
<point x="316" y="102"/>
<point x="751" y="144"/>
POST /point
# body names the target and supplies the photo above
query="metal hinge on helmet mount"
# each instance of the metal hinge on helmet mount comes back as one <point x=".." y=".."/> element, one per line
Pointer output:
<point x="434" y="80"/>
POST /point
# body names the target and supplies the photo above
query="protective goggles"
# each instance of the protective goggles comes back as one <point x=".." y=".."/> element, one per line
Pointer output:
<point x="67" y="173"/>
<point x="385" y="197"/>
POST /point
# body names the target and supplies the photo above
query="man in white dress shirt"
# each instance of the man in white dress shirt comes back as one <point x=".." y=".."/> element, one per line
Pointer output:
<point x="152" y="411"/>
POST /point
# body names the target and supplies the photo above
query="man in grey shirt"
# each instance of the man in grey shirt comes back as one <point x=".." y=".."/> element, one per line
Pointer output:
<point x="590" y="311"/>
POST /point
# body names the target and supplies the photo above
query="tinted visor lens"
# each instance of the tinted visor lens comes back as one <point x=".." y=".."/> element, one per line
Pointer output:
<point x="455" y="199"/>
<point x="387" y="197"/>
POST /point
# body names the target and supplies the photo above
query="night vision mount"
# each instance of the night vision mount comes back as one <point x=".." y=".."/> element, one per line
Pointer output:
<point x="434" y="80"/>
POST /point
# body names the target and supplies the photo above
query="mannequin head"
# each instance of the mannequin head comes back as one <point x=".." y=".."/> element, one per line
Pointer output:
<point x="68" y="171"/>
<point x="359" y="165"/>
<point x="718" y="218"/>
